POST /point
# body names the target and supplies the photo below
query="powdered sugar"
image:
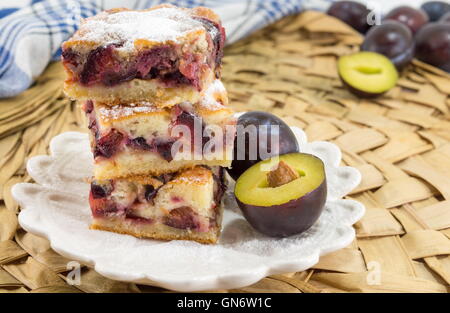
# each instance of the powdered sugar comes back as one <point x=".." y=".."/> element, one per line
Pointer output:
<point x="119" y="111"/>
<point x="160" y="25"/>
<point x="209" y="100"/>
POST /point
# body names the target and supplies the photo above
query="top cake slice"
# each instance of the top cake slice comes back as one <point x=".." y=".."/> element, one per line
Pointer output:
<point x="164" y="55"/>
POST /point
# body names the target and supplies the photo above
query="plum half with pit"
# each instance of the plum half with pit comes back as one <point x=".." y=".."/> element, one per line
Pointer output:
<point x="352" y="13"/>
<point x="433" y="45"/>
<point x="367" y="74"/>
<point x="411" y="17"/>
<point x="284" y="195"/>
<point x="393" y="40"/>
<point x="435" y="9"/>
<point x="253" y="142"/>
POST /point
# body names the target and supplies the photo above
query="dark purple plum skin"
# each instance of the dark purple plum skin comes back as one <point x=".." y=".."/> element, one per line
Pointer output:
<point x="445" y="18"/>
<point x="433" y="45"/>
<point x="291" y="218"/>
<point x="287" y="143"/>
<point x="352" y="13"/>
<point x="435" y="9"/>
<point x="410" y="17"/>
<point x="392" y="39"/>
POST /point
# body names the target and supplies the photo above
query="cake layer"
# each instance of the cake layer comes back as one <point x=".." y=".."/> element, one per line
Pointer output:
<point x="138" y="90"/>
<point x="141" y="163"/>
<point x="184" y="205"/>
<point x="141" y="139"/>
<point x="164" y="54"/>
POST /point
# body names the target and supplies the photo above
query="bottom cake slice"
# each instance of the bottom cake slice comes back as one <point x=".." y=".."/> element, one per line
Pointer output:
<point x="182" y="206"/>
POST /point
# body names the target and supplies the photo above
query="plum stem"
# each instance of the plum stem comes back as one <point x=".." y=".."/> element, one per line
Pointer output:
<point x="282" y="174"/>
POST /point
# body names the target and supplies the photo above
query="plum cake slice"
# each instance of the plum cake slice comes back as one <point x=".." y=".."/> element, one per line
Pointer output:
<point x="141" y="139"/>
<point x="164" y="55"/>
<point x="179" y="206"/>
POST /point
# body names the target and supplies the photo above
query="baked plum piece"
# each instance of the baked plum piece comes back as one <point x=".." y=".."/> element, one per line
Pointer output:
<point x="165" y="55"/>
<point x="182" y="206"/>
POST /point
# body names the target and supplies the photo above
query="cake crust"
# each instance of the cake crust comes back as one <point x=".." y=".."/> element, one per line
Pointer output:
<point x="138" y="90"/>
<point x="158" y="233"/>
<point x="125" y="165"/>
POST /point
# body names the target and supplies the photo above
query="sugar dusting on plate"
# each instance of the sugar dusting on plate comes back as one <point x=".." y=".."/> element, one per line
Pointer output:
<point x="160" y="25"/>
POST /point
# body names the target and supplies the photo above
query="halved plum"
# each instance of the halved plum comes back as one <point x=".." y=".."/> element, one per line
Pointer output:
<point x="286" y="199"/>
<point x="367" y="74"/>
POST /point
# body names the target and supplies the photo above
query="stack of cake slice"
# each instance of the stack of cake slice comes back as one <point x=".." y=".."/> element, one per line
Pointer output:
<point x="161" y="131"/>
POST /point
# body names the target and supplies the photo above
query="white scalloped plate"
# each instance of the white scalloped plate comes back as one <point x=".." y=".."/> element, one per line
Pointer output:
<point x="56" y="207"/>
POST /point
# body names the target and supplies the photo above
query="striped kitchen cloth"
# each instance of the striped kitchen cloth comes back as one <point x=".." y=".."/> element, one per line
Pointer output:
<point x="31" y="31"/>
